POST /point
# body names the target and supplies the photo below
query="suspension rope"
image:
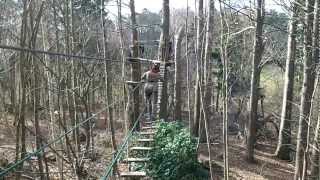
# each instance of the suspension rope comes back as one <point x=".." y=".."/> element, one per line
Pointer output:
<point x="62" y="136"/>
<point x="55" y="53"/>
<point x="89" y="58"/>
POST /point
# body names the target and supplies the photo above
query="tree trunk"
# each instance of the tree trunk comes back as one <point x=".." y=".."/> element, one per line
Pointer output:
<point x="123" y="58"/>
<point x="315" y="59"/>
<point x="178" y="75"/>
<point x="255" y="80"/>
<point x="207" y="79"/>
<point x="196" y="117"/>
<point x="135" y="67"/>
<point x="223" y="86"/>
<point x="74" y="86"/>
<point x="306" y="95"/>
<point x="284" y="142"/>
<point x="315" y="157"/>
<point x="21" y="93"/>
<point x="36" y="89"/>
<point x="188" y="69"/>
<point x="163" y="55"/>
<point x="108" y="81"/>
<point x="50" y="95"/>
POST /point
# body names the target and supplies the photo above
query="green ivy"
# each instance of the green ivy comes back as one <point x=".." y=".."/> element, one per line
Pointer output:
<point x="174" y="155"/>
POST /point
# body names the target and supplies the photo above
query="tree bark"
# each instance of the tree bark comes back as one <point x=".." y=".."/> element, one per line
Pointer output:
<point x="135" y="67"/>
<point x="255" y="80"/>
<point x="284" y="141"/>
<point x="178" y="75"/>
<point x="200" y="24"/>
<point x="108" y="81"/>
<point x="207" y="92"/>
<point x="36" y="89"/>
<point x="21" y="93"/>
<point x="163" y="55"/>
<point x="315" y="157"/>
<point x="306" y="94"/>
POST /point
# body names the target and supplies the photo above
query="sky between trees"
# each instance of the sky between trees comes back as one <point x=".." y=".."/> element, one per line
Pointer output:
<point x="156" y="5"/>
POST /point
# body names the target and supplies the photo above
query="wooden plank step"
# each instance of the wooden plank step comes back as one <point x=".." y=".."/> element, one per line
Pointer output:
<point x="133" y="82"/>
<point x="133" y="174"/>
<point x="128" y="160"/>
<point x="141" y="148"/>
<point x="147" y="133"/>
<point x="150" y="122"/>
<point x="149" y="127"/>
<point x="145" y="140"/>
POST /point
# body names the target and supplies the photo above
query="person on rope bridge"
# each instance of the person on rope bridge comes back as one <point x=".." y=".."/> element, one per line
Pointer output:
<point x="151" y="78"/>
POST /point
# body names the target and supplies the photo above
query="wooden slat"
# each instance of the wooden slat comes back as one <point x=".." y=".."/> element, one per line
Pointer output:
<point x="150" y="122"/>
<point x="133" y="174"/>
<point x="128" y="160"/>
<point x="133" y="82"/>
<point x="149" y="127"/>
<point x="145" y="140"/>
<point x="147" y="133"/>
<point x="141" y="148"/>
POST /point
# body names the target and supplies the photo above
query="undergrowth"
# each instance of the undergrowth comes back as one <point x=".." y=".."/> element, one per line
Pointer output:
<point x="174" y="155"/>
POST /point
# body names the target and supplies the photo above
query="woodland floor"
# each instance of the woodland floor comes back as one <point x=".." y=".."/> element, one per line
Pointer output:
<point x="266" y="167"/>
<point x="95" y="168"/>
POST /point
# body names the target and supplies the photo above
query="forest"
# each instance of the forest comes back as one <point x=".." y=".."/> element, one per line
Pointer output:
<point x="213" y="89"/>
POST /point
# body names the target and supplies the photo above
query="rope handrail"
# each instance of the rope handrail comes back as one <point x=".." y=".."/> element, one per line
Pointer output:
<point x="109" y="168"/>
<point x="62" y="136"/>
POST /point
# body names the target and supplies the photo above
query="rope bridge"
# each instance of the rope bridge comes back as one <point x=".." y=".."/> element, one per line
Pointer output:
<point x="109" y="169"/>
<point x="128" y="137"/>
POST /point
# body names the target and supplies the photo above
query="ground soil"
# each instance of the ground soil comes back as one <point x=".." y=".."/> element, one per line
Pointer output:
<point x="266" y="167"/>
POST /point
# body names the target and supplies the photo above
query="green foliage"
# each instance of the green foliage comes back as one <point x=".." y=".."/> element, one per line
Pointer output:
<point x="174" y="155"/>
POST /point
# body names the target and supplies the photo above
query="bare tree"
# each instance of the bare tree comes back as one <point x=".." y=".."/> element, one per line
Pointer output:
<point x="108" y="80"/>
<point x="178" y="75"/>
<point x="36" y="93"/>
<point x="200" y="27"/>
<point x="255" y="80"/>
<point x="315" y="167"/>
<point x="224" y="40"/>
<point x="315" y="157"/>
<point x="21" y="92"/>
<point x="306" y="93"/>
<point x="284" y="142"/>
<point x="135" y="67"/>
<point x="163" y="55"/>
